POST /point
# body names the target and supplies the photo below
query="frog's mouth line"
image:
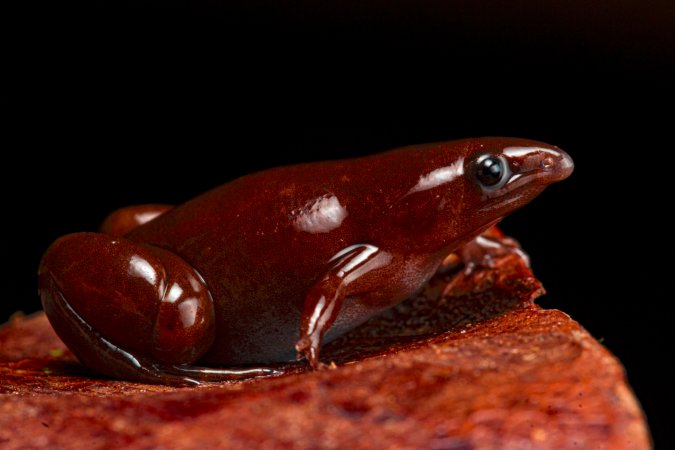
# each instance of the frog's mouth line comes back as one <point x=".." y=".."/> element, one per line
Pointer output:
<point x="505" y="201"/>
<point x="517" y="182"/>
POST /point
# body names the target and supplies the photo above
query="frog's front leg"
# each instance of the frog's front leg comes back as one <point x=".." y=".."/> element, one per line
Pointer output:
<point x="130" y="310"/>
<point x="123" y="220"/>
<point x="482" y="251"/>
<point x="324" y="300"/>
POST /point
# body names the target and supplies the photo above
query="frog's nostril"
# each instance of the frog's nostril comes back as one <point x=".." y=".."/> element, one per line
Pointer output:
<point x="555" y="164"/>
<point x="547" y="163"/>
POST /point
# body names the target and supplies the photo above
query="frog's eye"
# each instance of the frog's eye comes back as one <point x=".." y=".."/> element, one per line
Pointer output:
<point x="492" y="172"/>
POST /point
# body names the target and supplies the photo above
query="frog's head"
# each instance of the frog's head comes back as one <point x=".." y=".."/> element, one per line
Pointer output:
<point x="503" y="174"/>
<point x="466" y="186"/>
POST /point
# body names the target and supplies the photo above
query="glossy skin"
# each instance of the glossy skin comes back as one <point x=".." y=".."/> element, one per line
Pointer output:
<point x="279" y="261"/>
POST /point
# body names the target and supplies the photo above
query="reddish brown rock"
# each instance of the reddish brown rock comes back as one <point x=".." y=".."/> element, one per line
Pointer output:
<point x="483" y="369"/>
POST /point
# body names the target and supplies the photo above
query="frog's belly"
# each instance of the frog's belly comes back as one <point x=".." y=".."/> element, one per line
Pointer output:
<point x="271" y="336"/>
<point x="263" y="328"/>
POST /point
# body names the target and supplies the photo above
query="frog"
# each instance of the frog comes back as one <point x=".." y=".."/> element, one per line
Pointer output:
<point x="267" y="268"/>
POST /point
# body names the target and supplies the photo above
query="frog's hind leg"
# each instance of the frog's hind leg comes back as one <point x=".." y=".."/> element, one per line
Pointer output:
<point x="123" y="220"/>
<point x="131" y="311"/>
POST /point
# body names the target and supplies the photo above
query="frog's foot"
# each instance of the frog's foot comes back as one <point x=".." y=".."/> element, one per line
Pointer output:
<point x="131" y="311"/>
<point x="307" y="348"/>
<point x="482" y="252"/>
<point x="123" y="220"/>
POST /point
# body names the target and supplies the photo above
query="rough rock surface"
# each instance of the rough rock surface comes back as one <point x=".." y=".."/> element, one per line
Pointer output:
<point x="470" y="363"/>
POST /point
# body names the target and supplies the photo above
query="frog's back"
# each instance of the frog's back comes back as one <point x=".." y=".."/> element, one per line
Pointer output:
<point x="261" y="241"/>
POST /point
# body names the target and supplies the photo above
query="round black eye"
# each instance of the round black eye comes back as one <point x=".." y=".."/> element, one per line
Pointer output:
<point x="491" y="172"/>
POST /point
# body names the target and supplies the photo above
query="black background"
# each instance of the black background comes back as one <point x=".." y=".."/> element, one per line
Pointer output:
<point x="99" y="102"/>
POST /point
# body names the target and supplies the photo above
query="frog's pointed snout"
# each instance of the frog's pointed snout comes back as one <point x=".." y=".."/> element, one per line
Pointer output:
<point x="557" y="164"/>
<point x="538" y="163"/>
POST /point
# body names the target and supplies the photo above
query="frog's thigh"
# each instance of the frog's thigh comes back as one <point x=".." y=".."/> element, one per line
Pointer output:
<point x="129" y="310"/>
